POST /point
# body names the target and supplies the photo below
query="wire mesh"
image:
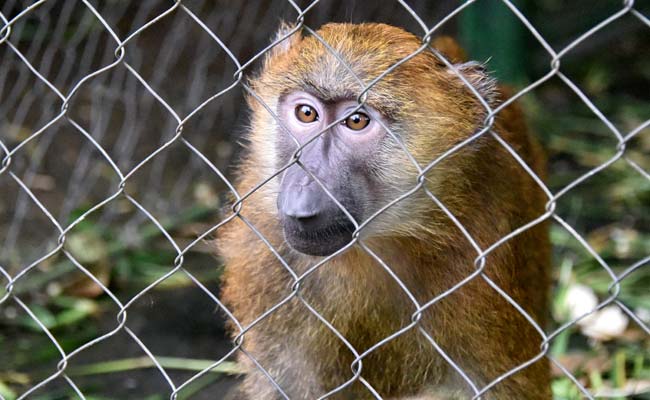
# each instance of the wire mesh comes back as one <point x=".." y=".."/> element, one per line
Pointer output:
<point x="176" y="116"/>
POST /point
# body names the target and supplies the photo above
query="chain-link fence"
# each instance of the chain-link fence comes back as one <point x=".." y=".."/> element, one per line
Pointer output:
<point x="115" y="135"/>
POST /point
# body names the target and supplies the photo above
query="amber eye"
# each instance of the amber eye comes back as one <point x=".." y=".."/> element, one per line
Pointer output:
<point x="357" y="121"/>
<point x="306" y="113"/>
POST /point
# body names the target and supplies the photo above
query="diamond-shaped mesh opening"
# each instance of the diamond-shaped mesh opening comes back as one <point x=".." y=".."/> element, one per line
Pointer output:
<point x="24" y="224"/>
<point x="71" y="42"/>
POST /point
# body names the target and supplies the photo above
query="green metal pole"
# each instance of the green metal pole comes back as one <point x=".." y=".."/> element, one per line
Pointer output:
<point x="490" y="31"/>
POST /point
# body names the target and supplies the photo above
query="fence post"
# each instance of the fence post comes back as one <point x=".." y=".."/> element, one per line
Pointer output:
<point x="489" y="30"/>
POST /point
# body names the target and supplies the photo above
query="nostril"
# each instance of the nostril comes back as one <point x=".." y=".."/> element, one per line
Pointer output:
<point x="300" y="203"/>
<point x="297" y="207"/>
<point x="306" y="222"/>
<point x="303" y="215"/>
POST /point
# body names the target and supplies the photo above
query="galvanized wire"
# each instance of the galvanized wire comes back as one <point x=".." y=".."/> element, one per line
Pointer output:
<point x="123" y="169"/>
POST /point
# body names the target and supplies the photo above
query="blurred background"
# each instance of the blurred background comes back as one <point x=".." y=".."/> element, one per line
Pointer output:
<point x="121" y="246"/>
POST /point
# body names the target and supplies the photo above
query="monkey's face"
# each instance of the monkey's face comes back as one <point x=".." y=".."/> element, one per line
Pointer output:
<point x="359" y="165"/>
<point x="331" y="184"/>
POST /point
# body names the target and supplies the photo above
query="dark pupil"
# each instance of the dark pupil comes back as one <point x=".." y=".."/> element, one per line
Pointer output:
<point x="356" y="118"/>
<point x="306" y="110"/>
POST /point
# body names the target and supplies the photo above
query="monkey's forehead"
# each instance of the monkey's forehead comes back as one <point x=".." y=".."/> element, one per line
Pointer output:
<point x="330" y="88"/>
<point x="344" y="61"/>
<point x="372" y="39"/>
<point x="360" y="52"/>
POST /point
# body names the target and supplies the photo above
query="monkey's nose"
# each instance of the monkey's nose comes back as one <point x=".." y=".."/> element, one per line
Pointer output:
<point x="301" y="202"/>
<point x="311" y="221"/>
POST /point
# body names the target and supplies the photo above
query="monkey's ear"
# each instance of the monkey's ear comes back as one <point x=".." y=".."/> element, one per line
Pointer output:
<point x="473" y="71"/>
<point x="477" y="75"/>
<point x="284" y="42"/>
<point x="449" y="48"/>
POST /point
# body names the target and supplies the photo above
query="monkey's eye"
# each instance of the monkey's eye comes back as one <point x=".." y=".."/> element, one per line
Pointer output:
<point x="357" y="121"/>
<point x="306" y="113"/>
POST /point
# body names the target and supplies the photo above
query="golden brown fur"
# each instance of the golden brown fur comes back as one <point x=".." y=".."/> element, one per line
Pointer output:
<point x="482" y="185"/>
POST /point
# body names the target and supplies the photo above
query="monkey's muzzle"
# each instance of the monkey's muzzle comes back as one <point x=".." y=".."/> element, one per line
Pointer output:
<point x="312" y="222"/>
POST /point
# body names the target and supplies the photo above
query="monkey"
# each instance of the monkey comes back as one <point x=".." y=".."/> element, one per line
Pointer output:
<point x="324" y="162"/>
